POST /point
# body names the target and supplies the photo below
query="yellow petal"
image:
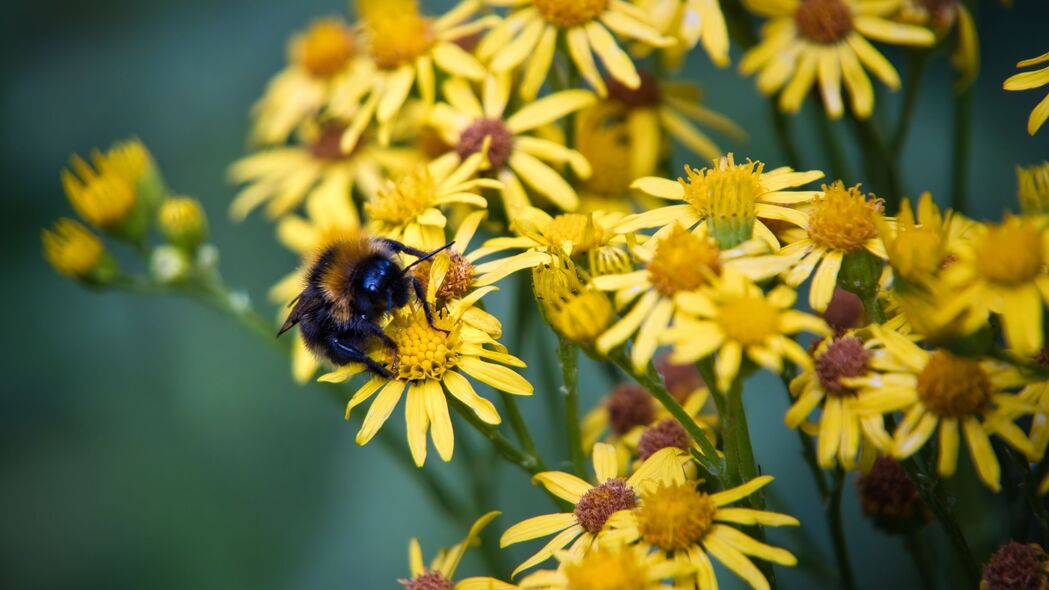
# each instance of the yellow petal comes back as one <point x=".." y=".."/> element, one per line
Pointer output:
<point x="618" y="63"/>
<point x="538" y="67"/>
<point x="982" y="454"/>
<point x="380" y="411"/>
<point x="416" y="423"/>
<point x="497" y="376"/>
<point x="948" y="458"/>
<point x="535" y="527"/>
<point x="605" y="462"/>
<point x="563" y="485"/>
<point x="742" y="491"/>
<point x="461" y="390"/>
<point x="549" y="109"/>
<point x="544" y="180"/>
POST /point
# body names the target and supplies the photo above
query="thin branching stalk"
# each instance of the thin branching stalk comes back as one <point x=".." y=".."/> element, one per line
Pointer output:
<point x="837" y="530"/>
<point x="916" y="62"/>
<point x="568" y="356"/>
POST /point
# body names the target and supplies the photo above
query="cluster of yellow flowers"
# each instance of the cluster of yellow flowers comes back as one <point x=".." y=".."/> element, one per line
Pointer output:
<point x="425" y="129"/>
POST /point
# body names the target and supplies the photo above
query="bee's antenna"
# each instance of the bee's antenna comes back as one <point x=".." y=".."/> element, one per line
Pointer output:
<point x="429" y="255"/>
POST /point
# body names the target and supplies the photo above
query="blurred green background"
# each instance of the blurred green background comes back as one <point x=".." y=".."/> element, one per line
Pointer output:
<point x="150" y="443"/>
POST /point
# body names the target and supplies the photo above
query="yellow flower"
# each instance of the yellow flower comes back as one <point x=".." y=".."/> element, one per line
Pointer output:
<point x="806" y="40"/>
<point x="316" y="57"/>
<point x="1028" y="80"/>
<point x="919" y="245"/>
<point x="676" y="263"/>
<point x="593" y="504"/>
<point x="605" y="142"/>
<point x="690" y="22"/>
<point x="571" y="305"/>
<point x="657" y="110"/>
<point x="609" y="567"/>
<point x="941" y="390"/>
<point x="589" y="236"/>
<point x="442" y="569"/>
<point x="848" y="416"/>
<point x="75" y="252"/>
<point x="1033" y="184"/>
<point x="1037" y="396"/>
<point x="736" y="318"/>
<point x="284" y="177"/>
<point x="730" y="199"/>
<point x="429" y="363"/>
<point x="532" y="29"/>
<point x="183" y="222"/>
<point x="507" y="140"/>
<point x="409" y="210"/>
<point x="841" y="222"/>
<point x="113" y="195"/>
<point x="690" y="527"/>
<point x="405" y="46"/>
<point x="1003" y="268"/>
<point x="944" y="16"/>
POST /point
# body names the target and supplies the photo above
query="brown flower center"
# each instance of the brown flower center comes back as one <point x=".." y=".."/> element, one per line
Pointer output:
<point x="953" y="386"/>
<point x="844" y="357"/>
<point x="491" y="131"/>
<point x="681" y="380"/>
<point x="569" y="13"/>
<point x="326" y="146"/>
<point x="645" y="95"/>
<point x="601" y="502"/>
<point x="823" y="21"/>
<point x="629" y="406"/>
<point x="428" y="581"/>
<point x="668" y="433"/>
<point x="888" y="495"/>
<point x="1016" y="567"/>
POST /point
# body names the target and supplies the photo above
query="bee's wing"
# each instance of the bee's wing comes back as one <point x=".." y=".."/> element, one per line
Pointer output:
<point x="298" y="308"/>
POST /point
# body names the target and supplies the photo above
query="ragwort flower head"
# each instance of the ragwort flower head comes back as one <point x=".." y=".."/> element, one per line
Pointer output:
<point x="945" y="17"/>
<point x="117" y="192"/>
<point x="1016" y="567"/>
<point x="441" y="572"/>
<point x="826" y="40"/>
<point x="532" y="29"/>
<point x="75" y="252"/>
<point x="608" y="567"/>
<point x="732" y="200"/>
<point x="690" y="22"/>
<point x="430" y="362"/>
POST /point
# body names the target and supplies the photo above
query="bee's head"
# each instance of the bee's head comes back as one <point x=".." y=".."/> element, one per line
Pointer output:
<point x="380" y="284"/>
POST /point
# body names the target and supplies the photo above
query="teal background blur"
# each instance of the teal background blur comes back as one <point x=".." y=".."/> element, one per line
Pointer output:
<point x="150" y="443"/>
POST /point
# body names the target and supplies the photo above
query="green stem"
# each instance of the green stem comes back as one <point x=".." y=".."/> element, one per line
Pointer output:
<point x="737" y="429"/>
<point x="919" y="554"/>
<point x="916" y="62"/>
<point x="880" y="162"/>
<point x="781" y="125"/>
<point x="651" y="381"/>
<point x="962" y="139"/>
<point x="568" y="355"/>
<point x="1030" y="490"/>
<point x="837" y="530"/>
<point x="506" y="449"/>
<point x="832" y="148"/>
<point x="520" y="428"/>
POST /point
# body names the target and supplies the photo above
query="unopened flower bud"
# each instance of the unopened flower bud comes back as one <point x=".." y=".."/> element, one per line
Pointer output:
<point x="169" y="264"/>
<point x="1016" y="567"/>
<point x="77" y="253"/>
<point x="182" y="222"/>
<point x="890" y="498"/>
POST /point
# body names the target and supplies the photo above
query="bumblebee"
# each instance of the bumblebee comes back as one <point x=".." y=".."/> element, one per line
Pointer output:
<point x="350" y="286"/>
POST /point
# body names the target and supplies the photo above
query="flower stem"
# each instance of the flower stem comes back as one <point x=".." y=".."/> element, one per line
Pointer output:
<point x="832" y="148"/>
<point x="879" y="162"/>
<point x="1030" y="490"/>
<point x="961" y="142"/>
<point x="651" y="381"/>
<point x="520" y="428"/>
<point x="919" y="554"/>
<point x="568" y="355"/>
<point x="506" y="449"/>
<point x="916" y="62"/>
<point x="837" y="530"/>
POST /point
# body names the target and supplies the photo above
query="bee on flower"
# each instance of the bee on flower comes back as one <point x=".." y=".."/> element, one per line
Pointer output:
<point x="508" y="140"/>
<point x="430" y="364"/>
<point x="532" y="29"/>
<point x="825" y="42"/>
<point x="1028" y="80"/>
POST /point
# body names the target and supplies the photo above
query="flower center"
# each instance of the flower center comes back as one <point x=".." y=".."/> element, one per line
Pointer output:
<point x="683" y="261"/>
<point x="428" y="581"/>
<point x="823" y="21"/>
<point x="675" y="516"/>
<point x="577" y="228"/>
<point x="1011" y="253"/>
<point x="490" y="133"/>
<point x="843" y="357"/>
<point x="570" y="13"/>
<point x="644" y="96"/>
<point x="952" y="386"/>
<point x="405" y="201"/>
<point x="629" y="406"/>
<point x="325" y="48"/>
<point x="668" y="433"/>
<point x="457" y="281"/>
<point x="844" y="311"/>
<point x="397" y="33"/>
<point x="601" y="502"/>
<point x="326" y="146"/>
<point x="917" y="251"/>
<point x="1016" y="567"/>
<point x="606" y="568"/>
<point x="72" y="249"/>
<point x="681" y="380"/>
<point x="842" y="218"/>
<point x="422" y="352"/>
<point x="887" y="491"/>
<point x="726" y="194"/>
<point x="749" y="320"/>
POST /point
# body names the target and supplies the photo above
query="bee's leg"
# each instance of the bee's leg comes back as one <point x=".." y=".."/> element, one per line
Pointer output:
<point x="376" y="330"/>
<point x="420" y="294"/>
<point x="399" y="247"/>
<point x="352" y="354"/>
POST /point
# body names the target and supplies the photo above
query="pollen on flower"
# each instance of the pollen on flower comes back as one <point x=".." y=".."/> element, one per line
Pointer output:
<point x="325" y="48"/>
<point x="577" y="228"/>
<point x="683" y="261"/>
<point x="606" y="568"/>
<point x="953" y="386"/>
<point x="601" y="502"/>
<point x="431" y="580"/>
<point x="1011" y="253"/>
<point x="629" y="406"/>
<point x="843" y="357"/>
<point x="397" y="33"/>
<point x="406" y="200"/>
<point x="823" y="21"/>
<point x="457" y="281"/>
<point x="1016" y="567"/>
<point x="843" y="219"/>
<point x="674" y="516"/>
<point x="749" y="320"/>
<point x="570" y="13"/>
<point x="646" y="95"/>
<point x="490" y="133"/>
<point x="423" y="352"/>
<point x="666" y="434"/>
